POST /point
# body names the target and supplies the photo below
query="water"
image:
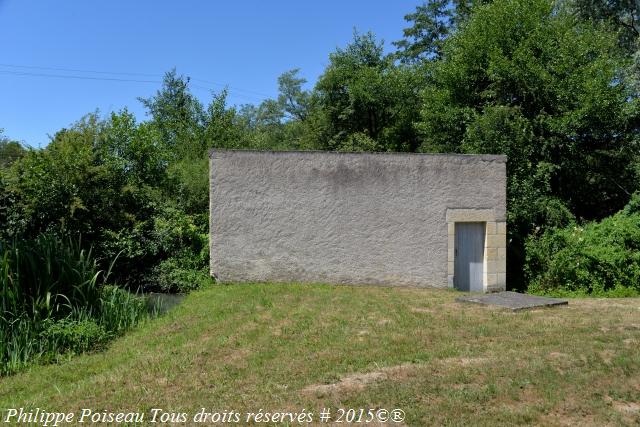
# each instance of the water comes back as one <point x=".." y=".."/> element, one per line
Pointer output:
<point x="161" y="303"/>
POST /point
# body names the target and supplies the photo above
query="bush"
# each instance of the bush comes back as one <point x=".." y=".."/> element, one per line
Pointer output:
<point x="183" y="245"/>
<point x="599" y="258"/>
<point x="180" y="275"/>
<point x="77" y="336"/>
<point x="150" y="249"/>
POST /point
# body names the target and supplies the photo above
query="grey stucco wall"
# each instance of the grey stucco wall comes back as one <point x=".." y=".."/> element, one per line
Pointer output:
<point x="358" y="218"/>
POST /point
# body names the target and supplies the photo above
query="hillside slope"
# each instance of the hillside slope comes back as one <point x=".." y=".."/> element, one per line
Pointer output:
<point x="293" y="347"/>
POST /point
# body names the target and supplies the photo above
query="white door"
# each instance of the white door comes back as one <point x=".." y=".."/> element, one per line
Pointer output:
<point x="469" y="256"/>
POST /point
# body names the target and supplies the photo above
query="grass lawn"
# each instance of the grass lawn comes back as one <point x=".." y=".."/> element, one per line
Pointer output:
<point x="289" y="347"/>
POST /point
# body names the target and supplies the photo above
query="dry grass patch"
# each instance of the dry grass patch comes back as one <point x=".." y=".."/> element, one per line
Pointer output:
<point x="422" y="310"/>
<point x="358" y="381"/>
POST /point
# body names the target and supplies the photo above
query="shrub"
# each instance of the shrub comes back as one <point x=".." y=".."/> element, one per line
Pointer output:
<point x="183" y="245"/>
<point x="180" y="275"/>
<point x="599" y="258"/>
<point x="76" y="336"/>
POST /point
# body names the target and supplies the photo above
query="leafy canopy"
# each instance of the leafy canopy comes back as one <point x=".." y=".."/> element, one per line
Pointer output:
<point x="364" y="101"/>
<point x="536" y="83"/>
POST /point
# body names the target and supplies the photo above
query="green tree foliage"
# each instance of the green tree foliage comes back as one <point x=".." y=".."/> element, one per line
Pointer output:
<point x="111" y="181"/>
<point x="281" y="123"/>
<point x="533" y="82"/>
<point x="10" y="151"/>
<point x="180" y="132"/>
<point x="68" y="186"/>
<point x="135" y="151"/>
<point x="363" y="96"/>
<point x="221" y="127"/>
<point x="432" y="23"/>
<point x="293" y="100"/>
<point x="622" y="16"/>
<point x="178" y="116"/>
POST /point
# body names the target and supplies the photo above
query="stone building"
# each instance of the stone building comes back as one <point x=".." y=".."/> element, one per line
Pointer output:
<point x="396" y="219"/>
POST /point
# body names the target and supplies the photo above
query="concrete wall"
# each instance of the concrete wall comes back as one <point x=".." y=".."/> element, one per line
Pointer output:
<point x="358" y="218"/>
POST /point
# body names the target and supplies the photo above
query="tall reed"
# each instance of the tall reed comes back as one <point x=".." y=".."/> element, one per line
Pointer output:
<point x="53" y="299"/>
<point x="47" y="276"/>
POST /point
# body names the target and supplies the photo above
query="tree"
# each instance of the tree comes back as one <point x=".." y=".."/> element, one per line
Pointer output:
<point x="432" y="23"/>
<point x="10" y="151"/>
<point x="178" y="116"/>
<point x="291" y="97"/>
<point x="623" y="16"/>
<point x="224" y="127"/>
<point x="363" y="93"/>
<point x="525" y="79"/>
<point x="66" y="187"/>
<point x="136" y="150"/>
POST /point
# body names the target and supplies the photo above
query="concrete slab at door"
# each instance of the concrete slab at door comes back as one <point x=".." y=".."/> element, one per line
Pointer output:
<point x="469" y="256"/>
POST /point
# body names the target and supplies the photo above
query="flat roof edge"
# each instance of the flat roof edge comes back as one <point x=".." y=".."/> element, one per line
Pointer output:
<point x="486" y="157"/>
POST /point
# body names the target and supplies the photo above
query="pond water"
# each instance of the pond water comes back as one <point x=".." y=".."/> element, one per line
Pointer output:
<point x="161" y="303"/>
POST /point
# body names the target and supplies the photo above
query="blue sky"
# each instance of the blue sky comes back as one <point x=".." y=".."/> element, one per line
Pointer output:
<point x="242" y="44"/>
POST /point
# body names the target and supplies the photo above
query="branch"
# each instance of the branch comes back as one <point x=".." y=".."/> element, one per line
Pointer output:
<point x="632" y="25"/>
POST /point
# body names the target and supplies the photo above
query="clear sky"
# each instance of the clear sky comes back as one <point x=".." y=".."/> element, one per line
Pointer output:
<point x="242" y="44"/>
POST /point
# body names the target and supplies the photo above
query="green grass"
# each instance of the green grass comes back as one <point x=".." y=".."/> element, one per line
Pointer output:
<point x="289" y="347"/>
